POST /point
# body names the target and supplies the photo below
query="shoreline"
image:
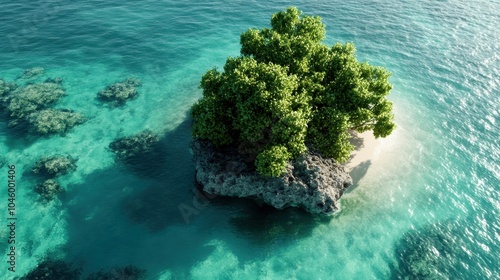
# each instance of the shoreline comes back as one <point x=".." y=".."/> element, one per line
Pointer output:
<point x="365" y="151"/>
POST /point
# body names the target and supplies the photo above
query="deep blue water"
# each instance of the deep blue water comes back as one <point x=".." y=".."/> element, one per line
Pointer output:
<point x="428" y="202"/>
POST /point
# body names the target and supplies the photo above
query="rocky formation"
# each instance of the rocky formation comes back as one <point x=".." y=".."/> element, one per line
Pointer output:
<point x="26" y="100"/>
<point x="48" y="168"/>
<point x="49" y="189"/>
<point x="129" y="272"/>
<point x="442" y="250"/>
<point x="3" y="161"/>
<point x="120" y="92"/>
<point x="6" y="87"/>
<point x="19" y="102"/>
<point x="53" y="269"/>
<point x="128" y="148"/>
<point x="58" y="81"/>
<point x="311" y="181"/>
<point x="52" y="121"/>
<point x="33" y="72"/>
<point x="29" y="107"/>
<point x="53" y="166"/>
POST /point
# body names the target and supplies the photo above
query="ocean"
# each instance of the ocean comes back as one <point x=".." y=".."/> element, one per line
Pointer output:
<point x="427" y="206"/>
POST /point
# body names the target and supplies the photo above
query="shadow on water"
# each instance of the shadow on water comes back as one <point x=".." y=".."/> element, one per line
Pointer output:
<point x="357" y="173"/>
<point x="115" y="211"/>
<point x="118" y="213"/>
<point x="265" y="225"/>
<point x="17" y="137"/>
<point x="150" y="164"/>
<point x="173" y="171"/>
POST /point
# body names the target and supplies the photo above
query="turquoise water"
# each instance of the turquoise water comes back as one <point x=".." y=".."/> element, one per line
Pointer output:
<point x="430" y="198"/>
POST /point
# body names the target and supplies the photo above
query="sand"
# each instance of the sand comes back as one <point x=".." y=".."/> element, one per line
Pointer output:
<point x="367" y="149"/>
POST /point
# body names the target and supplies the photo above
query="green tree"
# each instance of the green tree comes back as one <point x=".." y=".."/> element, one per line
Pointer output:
<point x="288" y="91"/>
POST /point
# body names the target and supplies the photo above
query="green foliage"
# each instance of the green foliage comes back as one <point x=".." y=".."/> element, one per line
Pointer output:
<point x="288" y="89"/>
<point x="272" y="161"/>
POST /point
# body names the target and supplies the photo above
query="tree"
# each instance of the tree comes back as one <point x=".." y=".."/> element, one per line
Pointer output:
<point x="288" y="91"/>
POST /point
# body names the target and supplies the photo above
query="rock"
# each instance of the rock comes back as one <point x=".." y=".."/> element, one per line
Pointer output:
<point x="310" y="182"/>
<point x="129" y="148"/>
<point x="129" y="272"/>
<point x="133" y="81"/>
<point x="51" y="121"/>
<point x="26" y="100"/>
<point x="58" y="81"/>
<point x="53" y="269"/>
<point x="120" y="92"/>
<point x="53" y="166"/>
<point x="33" y="72"/>
<point x="49" y="189"/>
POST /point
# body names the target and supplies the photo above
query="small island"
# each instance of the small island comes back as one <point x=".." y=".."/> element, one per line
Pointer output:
<point x="274" y="124"/>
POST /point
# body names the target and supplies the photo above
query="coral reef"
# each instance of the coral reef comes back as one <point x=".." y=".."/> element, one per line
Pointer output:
<point x="6" y="87"/>
<point x="129" y="148"/>
<point x="120" y="92"/>
<point x="442" y="250"/>
<point x="28" y="107"/>
<point x="49" y="189"/>
<point x="58" y="81"/>
<point x="3" y="161"/>
<point x="53" y="269"/>
<point x="129" y="272"/>
<point x="53" y="166"/>
<point x="26" y="100"/>
<point x="23" y="101"/>
<point x="32" y="72"/>
<point x="311" y="182"/>
<point x="54" y="121"/>
<point x="49" y="167"/>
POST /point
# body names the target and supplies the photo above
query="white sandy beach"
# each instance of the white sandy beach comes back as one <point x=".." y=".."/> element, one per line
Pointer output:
<point x="366" y="149"/>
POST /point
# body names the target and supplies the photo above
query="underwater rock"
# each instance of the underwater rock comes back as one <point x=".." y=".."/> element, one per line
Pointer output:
<point x="128" y="148"/>
<point x="133" y="81"/>
<point x="26" y="100"/>
<point x="33" y="72"/>
<point x="311" y="182"/>
<point x="58" y="81"/>
<point x="53" y="269"/>
<point x="120" y="92"/>
<point x="444" y="250"/>
<point x="53" y="166"/>
<point x="6" y="87"/>
<point x="3" y="161"/>
<point x="54" y="121"/>
<point x="49" y="189"/>
<point x="129" y="272"/>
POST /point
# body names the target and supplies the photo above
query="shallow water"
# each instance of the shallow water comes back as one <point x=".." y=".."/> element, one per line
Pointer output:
<point x="433" y="187"/>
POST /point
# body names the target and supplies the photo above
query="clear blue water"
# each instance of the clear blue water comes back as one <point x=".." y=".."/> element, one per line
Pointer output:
<point x="429" y="199"/>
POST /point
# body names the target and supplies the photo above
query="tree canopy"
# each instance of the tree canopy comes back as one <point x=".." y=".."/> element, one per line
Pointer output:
<point x="288" y="91"/>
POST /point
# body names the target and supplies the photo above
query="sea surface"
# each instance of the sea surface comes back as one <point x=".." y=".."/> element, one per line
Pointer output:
<point x="427" y="206"/>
